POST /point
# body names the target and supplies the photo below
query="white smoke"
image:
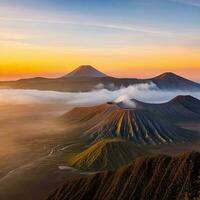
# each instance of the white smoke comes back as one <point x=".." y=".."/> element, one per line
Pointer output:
<point x="126" y="100"/>
<point x="142" y="92"/>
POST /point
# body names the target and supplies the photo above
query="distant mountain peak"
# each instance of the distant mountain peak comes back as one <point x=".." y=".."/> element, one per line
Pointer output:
<point x="86" y="67"/>
<point x="168" y="75"/>
<point x="85" y="71"/>
<point x="169" y="80"/>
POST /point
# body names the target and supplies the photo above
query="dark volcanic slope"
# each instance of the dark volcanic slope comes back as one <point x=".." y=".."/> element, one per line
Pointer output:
<point x="172" y="81"/>
<point x="187" y="102"/>
<point x="179" y="109"/>
<point x="147" y="178"/>
<point x="138" y="125"/>
<point x="109" y="154"/>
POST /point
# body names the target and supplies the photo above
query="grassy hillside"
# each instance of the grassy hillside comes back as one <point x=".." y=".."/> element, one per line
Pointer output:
<point x="107" y="154"/>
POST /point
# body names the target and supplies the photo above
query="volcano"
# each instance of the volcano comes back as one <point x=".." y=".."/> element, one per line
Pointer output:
<point x="142" y="126"/>
<point x="85" y="71"/>
<point x="156" y="177"/>
<point x="101" y="156"/>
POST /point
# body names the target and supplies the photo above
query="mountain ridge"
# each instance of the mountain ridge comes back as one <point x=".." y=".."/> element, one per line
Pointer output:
<point x="151" y="177"/>
<point x="183" y="108"/>
<point x="74" y="83"/>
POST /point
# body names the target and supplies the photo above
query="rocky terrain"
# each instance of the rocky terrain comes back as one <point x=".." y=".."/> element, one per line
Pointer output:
<point x="158" y="177"/>
<point x="145" y="124"/>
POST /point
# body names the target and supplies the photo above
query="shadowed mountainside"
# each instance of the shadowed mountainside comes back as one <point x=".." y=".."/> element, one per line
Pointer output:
<point x="109" y="154"/>
<point x="179" y="109"/>
<point x="141" y="124"/>
<point x="85" y="78"/>
<point x="170" y="80"/>
<point x="155" y="178"/>
<point x="188" y="102"/>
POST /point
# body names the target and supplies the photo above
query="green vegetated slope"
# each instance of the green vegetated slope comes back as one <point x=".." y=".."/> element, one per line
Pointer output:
<point x="107" y="154"/>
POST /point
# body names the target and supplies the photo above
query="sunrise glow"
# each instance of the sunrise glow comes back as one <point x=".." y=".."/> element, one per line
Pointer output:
<point x="147" y="38"/>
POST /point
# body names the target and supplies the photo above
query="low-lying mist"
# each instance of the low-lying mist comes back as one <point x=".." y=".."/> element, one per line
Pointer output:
<point x="143" y="92"/>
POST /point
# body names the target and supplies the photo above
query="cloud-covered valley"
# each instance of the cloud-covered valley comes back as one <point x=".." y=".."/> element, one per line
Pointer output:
<point x="142" y="92"/>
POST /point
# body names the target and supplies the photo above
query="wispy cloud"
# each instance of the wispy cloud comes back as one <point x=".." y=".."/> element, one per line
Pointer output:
<point x="32" y="23"/>
<point x="117" y="26"/>
<point x="16" y="38"/>
<point x="148" y="30"/>
<point x="195" y="3"/>
<point x="13" y="35"/>
<point x="8" y="14"/>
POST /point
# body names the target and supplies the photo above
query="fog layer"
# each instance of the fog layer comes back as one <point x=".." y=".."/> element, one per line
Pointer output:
<point x="143" y="92"/>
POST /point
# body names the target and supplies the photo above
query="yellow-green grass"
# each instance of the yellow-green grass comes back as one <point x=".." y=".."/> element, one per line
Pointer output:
<point x="106" y="154"/>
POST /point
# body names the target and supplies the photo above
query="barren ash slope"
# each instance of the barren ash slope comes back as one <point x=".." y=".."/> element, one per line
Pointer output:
<point x="139" y="124"/>
<point x="147" y="178"/>
<point x="107" y="154"/>
<point x="86" y="77"/>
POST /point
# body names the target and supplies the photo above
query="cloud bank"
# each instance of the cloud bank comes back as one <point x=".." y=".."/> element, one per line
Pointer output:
<point x="143" y="92"/>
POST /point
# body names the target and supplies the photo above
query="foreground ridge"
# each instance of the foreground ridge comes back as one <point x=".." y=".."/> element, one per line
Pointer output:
<point x="155" y="178"/>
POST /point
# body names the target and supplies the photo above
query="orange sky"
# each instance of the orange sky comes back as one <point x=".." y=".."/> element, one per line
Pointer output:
<point x="19" y="62"/>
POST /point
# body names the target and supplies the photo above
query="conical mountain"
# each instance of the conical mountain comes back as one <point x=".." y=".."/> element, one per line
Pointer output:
<point x="107" y="154"/>
<point x="156" y="177"/>
<point x="85" y="71"/>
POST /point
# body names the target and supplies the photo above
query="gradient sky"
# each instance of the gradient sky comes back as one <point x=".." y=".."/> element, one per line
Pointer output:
<point x="124" y="38"/>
